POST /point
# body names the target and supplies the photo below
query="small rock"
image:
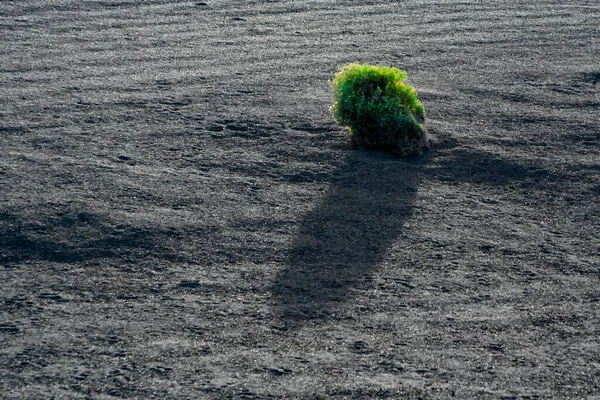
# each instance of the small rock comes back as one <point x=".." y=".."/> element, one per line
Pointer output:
<point x="9" y="328"/>
<point x="360" y="346"/>
<point x="279" y="371"/>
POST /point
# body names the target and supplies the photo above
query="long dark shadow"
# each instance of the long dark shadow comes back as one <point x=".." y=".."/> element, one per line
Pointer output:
<point x="343" y="239"/>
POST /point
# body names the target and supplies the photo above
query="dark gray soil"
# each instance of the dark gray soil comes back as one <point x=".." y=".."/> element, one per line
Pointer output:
<point x="181" y="218"/>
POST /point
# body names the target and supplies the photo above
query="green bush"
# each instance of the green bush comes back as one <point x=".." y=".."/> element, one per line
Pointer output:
<point x="379" y="109"/>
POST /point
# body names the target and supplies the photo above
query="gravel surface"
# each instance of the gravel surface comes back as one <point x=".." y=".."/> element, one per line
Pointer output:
<point x="181" y="218"/>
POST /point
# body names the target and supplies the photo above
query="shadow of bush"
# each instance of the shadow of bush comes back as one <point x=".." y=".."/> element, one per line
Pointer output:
<point x="343" y="239"/>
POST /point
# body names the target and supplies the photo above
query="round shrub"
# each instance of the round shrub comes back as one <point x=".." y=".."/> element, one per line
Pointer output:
<point x="379" y="109"/>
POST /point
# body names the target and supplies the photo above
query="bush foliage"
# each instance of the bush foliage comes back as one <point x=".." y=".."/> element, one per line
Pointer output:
<point x="379" y="109"/>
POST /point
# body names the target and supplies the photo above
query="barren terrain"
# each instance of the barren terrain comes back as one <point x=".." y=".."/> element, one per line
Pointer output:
<point x="180" y="217"/>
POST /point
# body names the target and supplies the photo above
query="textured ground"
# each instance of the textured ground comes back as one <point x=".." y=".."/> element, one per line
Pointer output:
<point x="181" y="218"/>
